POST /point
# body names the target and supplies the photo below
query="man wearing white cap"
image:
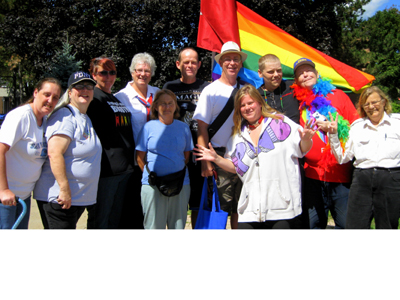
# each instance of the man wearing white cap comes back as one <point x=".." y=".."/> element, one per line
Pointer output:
<point x="211" y="104"/>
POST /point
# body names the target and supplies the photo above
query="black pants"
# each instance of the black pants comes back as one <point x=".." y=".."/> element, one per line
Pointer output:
<point x="294" y="223"/>
<point x="374" y="193"/>
<point x="132" y="212"/>
<point x="54" y="217"/>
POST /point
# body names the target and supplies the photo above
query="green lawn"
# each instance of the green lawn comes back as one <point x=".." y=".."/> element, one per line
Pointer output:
<point x="330" y="219"/>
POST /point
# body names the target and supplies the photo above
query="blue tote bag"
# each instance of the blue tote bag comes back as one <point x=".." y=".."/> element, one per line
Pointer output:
<point x="214" y="217"/>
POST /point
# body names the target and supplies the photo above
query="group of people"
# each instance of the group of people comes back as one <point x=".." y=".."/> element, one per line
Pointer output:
<point x="281" y="155"/>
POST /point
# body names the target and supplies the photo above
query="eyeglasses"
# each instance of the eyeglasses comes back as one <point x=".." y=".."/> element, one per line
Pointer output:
<point x="105" y="73"/>
<point x="373" y="103"/>
<point x="89" y="87"/>
<point x="235" y="60"/>
<point x="140" y="71"/>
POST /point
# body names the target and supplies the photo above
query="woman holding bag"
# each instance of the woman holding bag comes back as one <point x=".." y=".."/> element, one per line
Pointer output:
<point x="264" y="151"/>
<point x="162" y="152"/>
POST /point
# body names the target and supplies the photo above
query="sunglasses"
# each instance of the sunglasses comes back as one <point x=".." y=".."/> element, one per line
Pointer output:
<point x="80" y="87"/>
<point x="105" y="73"/>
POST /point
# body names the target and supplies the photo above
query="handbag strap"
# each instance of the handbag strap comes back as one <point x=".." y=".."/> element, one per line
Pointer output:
<point x="224" y="114"/>
<point x="147" y="168"/>
<point x="215" y="206"/>
<point x="215" y="200"/>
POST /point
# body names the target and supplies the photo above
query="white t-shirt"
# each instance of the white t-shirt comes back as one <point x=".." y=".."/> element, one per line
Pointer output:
<point x="128" y="96"/>
<point x="28" y="150"/>
<point x="82" y="159"/>
<point x="212" y="100"/>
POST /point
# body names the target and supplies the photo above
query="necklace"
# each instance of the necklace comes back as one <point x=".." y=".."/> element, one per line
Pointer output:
<point x="255" y="125"/>
<point x="273" y="97"/>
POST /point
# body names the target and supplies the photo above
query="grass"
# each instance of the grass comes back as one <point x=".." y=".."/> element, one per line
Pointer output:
<point x="330" y="219"/>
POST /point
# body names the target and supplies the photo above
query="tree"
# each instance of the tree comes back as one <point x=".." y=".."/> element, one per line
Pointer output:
<point x="34" y="30"/>
<point x="118" y="29"/>
<point x="349" y="14"/>
<point x="64" y="64"/>
<point x="375" y="46"/>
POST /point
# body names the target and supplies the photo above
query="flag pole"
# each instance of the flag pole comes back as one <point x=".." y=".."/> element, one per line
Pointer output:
<point x="212" y="63"/>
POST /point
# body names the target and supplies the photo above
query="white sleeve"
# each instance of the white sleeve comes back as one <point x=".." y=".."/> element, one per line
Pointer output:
<point x="341" y="157"/>
<point x="203" y="110"/>
<point x="61" y="122"/>
<point x="13" y="128"/>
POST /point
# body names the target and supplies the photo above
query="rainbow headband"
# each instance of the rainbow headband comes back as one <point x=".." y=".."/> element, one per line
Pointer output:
<point x="314" y="103"/>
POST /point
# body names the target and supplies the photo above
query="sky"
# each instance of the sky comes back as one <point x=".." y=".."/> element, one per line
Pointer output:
<point x="376" y="5"/>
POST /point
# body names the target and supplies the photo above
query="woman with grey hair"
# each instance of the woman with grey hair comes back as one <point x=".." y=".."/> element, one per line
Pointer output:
<point x="70" y="174"/>
<point x="373" y="143"/>
<point x="137" y="96"/>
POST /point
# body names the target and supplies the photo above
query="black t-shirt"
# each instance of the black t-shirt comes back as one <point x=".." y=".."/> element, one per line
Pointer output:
<point x="113" y="124"/>
<point x="187" y="96"/>
<point x="290" y="104"/>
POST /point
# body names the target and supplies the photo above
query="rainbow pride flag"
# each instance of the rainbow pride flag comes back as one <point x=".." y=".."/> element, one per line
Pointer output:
<point x="228" y="20"/>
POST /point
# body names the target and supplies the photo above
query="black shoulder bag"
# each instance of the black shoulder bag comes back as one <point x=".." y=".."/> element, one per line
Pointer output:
<point x="224" y="114"/>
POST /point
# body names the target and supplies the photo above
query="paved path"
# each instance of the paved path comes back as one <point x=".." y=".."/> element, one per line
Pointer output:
<point x="35" y="222"/>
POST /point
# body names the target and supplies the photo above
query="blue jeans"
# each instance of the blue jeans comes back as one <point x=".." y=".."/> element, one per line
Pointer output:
<point x="106" y="213"/>
<point x="10" y="214"/>
<point x="321" y="197"/>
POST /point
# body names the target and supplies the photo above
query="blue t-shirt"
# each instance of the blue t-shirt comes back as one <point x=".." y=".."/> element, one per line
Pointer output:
<point x="165" y="146"/>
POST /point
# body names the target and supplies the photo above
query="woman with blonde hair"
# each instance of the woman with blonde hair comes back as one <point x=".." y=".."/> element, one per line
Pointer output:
<point x="70" y="175"/>
<point x="264" y="151"/>
<point x="162" y="152"/>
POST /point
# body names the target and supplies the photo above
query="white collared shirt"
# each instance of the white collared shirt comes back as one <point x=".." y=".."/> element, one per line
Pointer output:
<point x="128" y="97"/>
<point x="371" y="146"/>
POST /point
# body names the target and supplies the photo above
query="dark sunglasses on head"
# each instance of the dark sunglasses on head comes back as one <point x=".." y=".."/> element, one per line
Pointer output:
<point x="105" y="73"/>
<point x="79" y="87"/>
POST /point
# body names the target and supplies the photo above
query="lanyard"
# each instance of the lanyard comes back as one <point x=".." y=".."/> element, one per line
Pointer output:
<point x="273" y="97"/>
<point x="146" y="104"/>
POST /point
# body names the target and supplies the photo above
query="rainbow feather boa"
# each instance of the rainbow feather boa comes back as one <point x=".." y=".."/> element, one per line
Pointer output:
<point x="315" y="101"/>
